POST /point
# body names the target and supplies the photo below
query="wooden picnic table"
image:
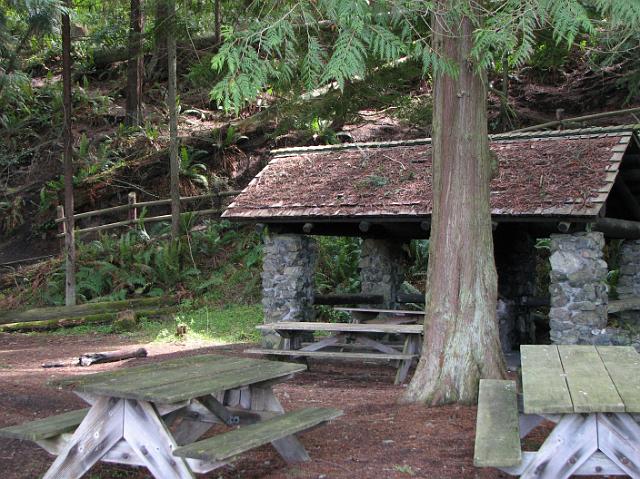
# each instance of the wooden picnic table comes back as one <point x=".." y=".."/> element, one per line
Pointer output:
<point x="590" y="392"/>
<point x="344" y="339"/>
<point x="151" y="416"/>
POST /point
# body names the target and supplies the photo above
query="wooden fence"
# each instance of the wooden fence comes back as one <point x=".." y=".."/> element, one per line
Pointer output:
<point x="133" y="206"/>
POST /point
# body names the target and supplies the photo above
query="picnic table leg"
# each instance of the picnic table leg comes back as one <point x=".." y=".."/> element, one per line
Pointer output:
<point x="148" y="436"/>
<point x="411" y="346"/>
<point x="99" y="431"/>
<point x="290" y="448"/>
<point x="571" y="443"/>
<point x="619" y="439"/>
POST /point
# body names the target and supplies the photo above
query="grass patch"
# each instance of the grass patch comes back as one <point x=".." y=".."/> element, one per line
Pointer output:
<point x="230" y="324"/>
<point x="217" y="325"/>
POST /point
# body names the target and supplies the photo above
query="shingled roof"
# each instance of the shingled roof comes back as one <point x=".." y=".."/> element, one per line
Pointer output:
<point x="565" y="174"/>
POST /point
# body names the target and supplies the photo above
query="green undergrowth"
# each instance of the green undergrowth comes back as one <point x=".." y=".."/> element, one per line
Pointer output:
<point x="212" y="324"/>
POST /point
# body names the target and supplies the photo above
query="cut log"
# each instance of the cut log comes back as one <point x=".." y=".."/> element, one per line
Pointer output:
<point x="81" y="310"/>
<point x="333" y="299"/>
<point x="619" y="229"/>
<point x="111" y="356"/>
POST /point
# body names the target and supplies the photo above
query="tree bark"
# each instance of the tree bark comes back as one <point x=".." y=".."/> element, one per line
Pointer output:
<point x="135" y="65"/>
<point x="218" y="21"/>
<point x="69" y="240"/>
<point x="461" y="343"/>
<point x="173" y="125"/>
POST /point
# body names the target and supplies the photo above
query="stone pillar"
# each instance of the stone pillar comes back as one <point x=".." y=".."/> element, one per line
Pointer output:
<point x="382" y="268"/>
<point x="287" y="281"/>
<point x="515" y="257"/>
<point x="629" y="278"/>
<point x="578" y="288"/>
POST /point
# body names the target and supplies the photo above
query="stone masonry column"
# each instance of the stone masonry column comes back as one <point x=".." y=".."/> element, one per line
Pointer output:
<point x="287" y="281"/>
<point x="578" y="288"/>
<point x="382" y="268"/>
<point x="629" y="279"/>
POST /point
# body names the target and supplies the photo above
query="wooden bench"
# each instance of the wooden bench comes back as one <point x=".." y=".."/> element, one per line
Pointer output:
<point x="497" y="425"/>
<point x="47" y="428"/>
<point x="346" y="336"/>
<point x="274" y="431"/>
<point x="388" y="316"/>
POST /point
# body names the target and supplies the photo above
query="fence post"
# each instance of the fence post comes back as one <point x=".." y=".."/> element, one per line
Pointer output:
<point x="62" y="227"/>
<point x="133" y="211"/>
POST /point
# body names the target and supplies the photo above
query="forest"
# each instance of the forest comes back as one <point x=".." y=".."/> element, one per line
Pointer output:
<point x="128" y="127"/>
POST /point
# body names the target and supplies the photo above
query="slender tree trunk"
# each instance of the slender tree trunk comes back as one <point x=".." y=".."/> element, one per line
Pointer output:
<point x="173" y="126"/>
<point x="461" y="343"/>
<point x="218" y="20"/>
<point x="135" y="64"/>
<point x="160" y="36"/>
<point x="69" y="240"/>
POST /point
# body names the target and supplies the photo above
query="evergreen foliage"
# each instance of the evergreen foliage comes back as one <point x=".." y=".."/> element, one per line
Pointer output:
<point x="308" y="44"/>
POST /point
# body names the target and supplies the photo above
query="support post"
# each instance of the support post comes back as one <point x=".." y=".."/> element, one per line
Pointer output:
<point x="69" y="240"/>
<point x="133" y="211"/>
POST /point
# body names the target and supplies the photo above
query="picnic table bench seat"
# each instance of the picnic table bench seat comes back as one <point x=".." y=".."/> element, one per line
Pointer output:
<point x="332" y="354"/>
<point x="237" y="441"/>
<point x="497" y="441"/>
<point x="41" y="429"/>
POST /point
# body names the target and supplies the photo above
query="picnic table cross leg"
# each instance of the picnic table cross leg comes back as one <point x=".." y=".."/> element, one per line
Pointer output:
<point x="571" y="443"/>
<point x="289" y="447"/>
<point x="411" y="346"/>
<point x="100" y="430"/>
<point x="619" y="439"/>
<point x="149" y="438"/>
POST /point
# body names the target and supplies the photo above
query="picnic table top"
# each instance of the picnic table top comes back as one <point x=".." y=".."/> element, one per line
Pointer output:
<point x="343" y="327"/>
<point x="398" y="312"/>
<point x="580" y="379"/>
<point x="179" y="379"/>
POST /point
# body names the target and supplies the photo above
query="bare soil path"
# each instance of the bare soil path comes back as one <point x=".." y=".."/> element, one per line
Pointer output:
<point x="376" y="438"/>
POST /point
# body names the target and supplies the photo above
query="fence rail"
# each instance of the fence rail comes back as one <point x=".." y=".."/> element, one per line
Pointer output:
<point x="132" y="208"/>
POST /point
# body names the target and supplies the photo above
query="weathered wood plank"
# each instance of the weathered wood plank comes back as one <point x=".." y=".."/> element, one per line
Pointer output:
<point x="623" y="366"/>
<point x="617" y="305"/>
<point x="544" y="386"/>
<point x="147" y="371"/>
<point x="597" y="464"/>
<point x="497" y="428"/>
<point x="344" y="327"/>
<point x="236" y="442"/>
<point x="590" y="385"/>
<point x="149" y="438"/>
<point x="393" y="312"/>
<point x="174" y="390"/>
<point x="571" y="443"/>
<point x="45" y="428"/>
<point x="619" y="439"/>
<point x="331" y="354"/>
<point x="100" y="430"/>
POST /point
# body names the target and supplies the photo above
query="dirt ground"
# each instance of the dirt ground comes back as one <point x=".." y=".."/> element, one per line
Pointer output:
<point x="376" y="437"/>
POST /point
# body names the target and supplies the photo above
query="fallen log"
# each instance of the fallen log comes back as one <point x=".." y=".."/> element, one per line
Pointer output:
<point x="81" y="310"/>
<point x="56" y="323"/>
<point x="110" y="356"/>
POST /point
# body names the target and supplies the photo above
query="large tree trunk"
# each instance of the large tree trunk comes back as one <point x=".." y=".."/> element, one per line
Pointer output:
<point x="135" y="65"/>
<point x="461" y="343"/>
<point x="69" y="240"/>
<point x="173" y="126"/>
